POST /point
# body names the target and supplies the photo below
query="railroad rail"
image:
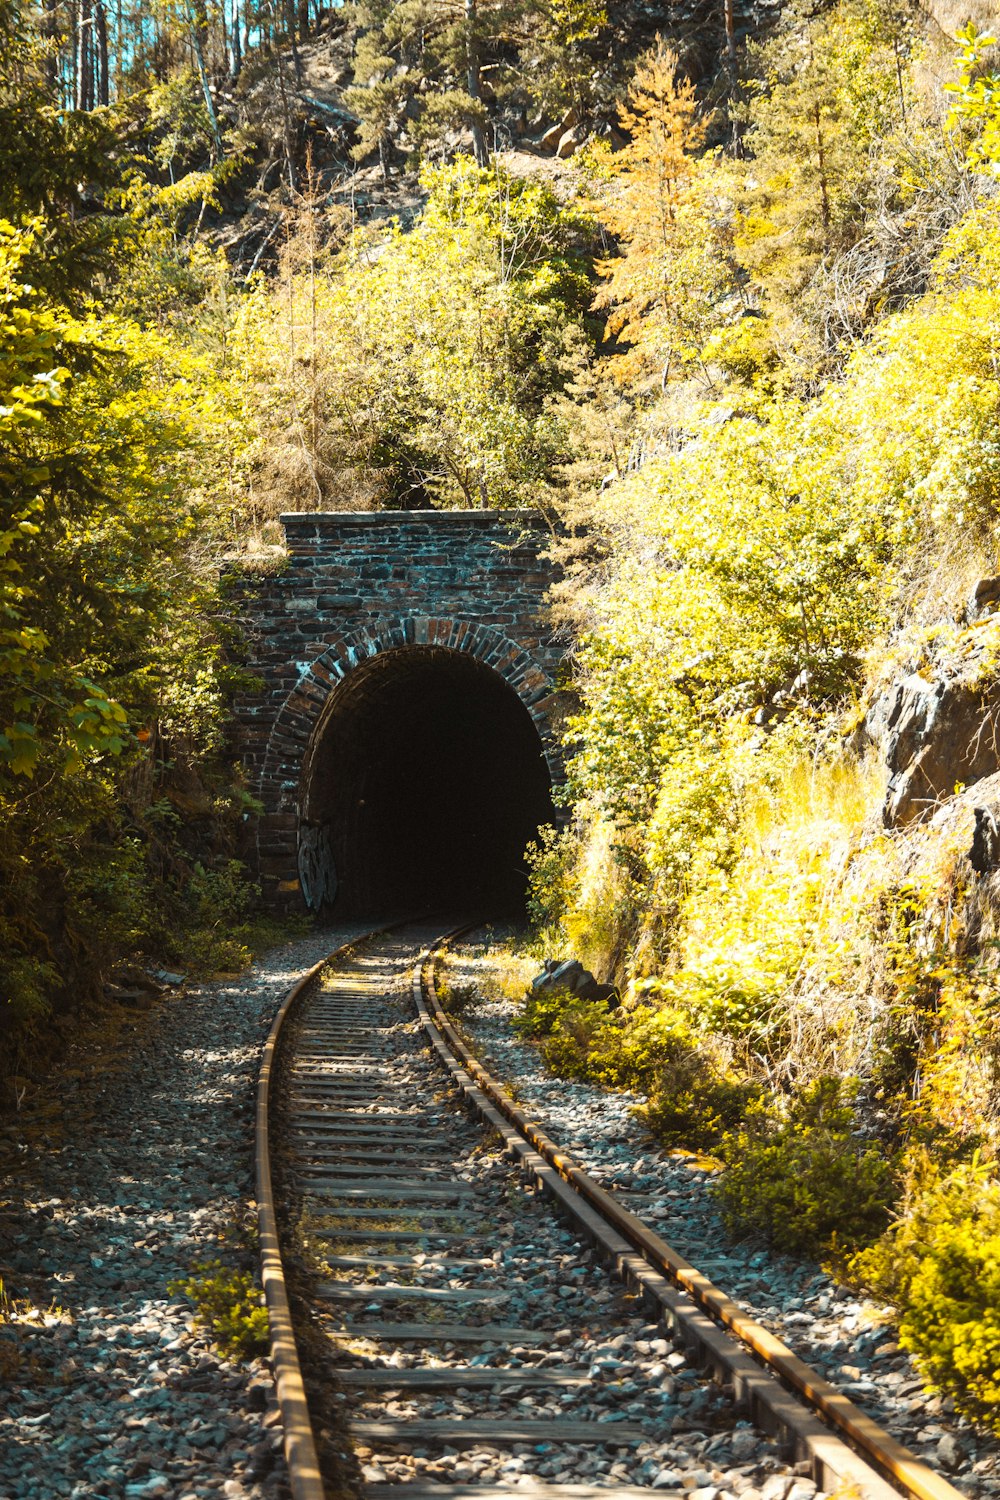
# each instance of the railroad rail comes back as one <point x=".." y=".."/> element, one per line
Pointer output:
<point x="396" y="1184"/>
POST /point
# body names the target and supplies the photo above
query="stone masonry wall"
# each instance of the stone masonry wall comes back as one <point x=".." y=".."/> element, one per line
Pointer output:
<point x="356" y="585"/>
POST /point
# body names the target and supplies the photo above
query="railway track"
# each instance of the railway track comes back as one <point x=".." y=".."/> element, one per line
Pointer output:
<point x="469" y="1338"/>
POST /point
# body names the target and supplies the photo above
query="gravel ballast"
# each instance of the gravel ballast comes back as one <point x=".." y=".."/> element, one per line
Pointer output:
<point x="115" y="1184"/>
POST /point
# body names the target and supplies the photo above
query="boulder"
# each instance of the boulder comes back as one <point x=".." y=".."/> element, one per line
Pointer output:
<point x="569" y="974"/>
<point x="985" y="596"/>
<point x="934" y="736"/>
<point x="939" y="728"/>
<point x="552" y="138"/>
<point x="570" y="142"/>
<point x="984" y="855"/>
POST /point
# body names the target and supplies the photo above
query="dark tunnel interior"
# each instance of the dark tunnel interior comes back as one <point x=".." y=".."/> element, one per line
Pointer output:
<point x="425" y="783"/>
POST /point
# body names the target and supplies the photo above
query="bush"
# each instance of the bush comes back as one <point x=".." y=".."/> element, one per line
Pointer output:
<point x="805" y="1181"/>
<point x="952" y="1324"/>
<point x="940" y="1264"/>
<point x="692" y="1100"/>
<point x="229" y="1305"/>
<point x="543" y="1010"/>
<point x="698" y="1112"/>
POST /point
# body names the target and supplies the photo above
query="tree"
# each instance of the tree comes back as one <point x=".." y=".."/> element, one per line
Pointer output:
<point x="420" y="66"/>
<point x="426" y="359"/>
<point x="830" y="99"/>
<point x="51" y="162"/>
<point x="975" y="100"/>
<point x="662" y="292"/>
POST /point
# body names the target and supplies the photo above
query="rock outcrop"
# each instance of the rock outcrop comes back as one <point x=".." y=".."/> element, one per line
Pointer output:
<point x="938" y="727"/>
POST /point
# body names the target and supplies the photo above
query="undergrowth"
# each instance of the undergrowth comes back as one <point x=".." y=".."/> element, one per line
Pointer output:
<point x="229" y="1305"/>
<point x="801" y="1179"/>
<point x="939" y="1265"/>
<point x="816" y="1006"/>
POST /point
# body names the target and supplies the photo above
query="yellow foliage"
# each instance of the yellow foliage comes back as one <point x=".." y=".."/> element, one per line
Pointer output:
<point x="661" y="202"/>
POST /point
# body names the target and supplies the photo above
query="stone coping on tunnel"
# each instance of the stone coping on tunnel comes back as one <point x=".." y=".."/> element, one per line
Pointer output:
<point x="297" y="519"/>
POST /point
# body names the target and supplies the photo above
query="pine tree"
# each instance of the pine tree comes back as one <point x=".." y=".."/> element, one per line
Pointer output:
<point x="660" y="291"/>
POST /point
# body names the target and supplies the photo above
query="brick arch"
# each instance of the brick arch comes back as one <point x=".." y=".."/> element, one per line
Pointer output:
<point x="299" y="722"/>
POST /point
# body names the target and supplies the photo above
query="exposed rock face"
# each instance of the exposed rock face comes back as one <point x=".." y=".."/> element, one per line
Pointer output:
<point x="939" y="728"/>
<point x="964" y="835"/>
<point x="984" y="854"/>
<point x="935" y="736"/>
<point x="553" y="137"/>
<point x="570" y="142"/>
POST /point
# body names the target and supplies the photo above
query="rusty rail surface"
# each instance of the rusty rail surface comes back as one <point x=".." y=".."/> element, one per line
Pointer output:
<point x="300" y="1445"/>
<point x="687" y="1295"/>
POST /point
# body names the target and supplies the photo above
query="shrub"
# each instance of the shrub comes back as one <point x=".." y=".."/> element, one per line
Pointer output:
<point x="699" y="1112"/>
<point x="229" y="1305"/>
<point x="804" y="1180"/>
<point x="542" y="1011"/>
<point x="692" y="1100"/>
<point x="952" y="1323"/>
<point x="940" y="1264"/>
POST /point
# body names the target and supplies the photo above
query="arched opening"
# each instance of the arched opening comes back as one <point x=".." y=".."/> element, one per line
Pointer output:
<point x="424" y="784"/>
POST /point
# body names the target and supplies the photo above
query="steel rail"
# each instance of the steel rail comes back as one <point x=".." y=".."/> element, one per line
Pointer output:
<point x="907" y="1472"/>
<point x="301" y="1457"/>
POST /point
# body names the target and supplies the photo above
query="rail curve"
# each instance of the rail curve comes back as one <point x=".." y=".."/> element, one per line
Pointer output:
<point x="845" y="1449"/>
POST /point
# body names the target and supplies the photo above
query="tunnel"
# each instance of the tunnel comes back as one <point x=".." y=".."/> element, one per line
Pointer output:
<point x="424" y="783"/>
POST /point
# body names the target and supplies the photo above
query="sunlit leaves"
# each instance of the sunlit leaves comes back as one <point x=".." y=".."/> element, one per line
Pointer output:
<point x="662" y="292"/>
<point x="975" y="105"/>
<point x="92" y="534"/>
<point x="419" y="367"/>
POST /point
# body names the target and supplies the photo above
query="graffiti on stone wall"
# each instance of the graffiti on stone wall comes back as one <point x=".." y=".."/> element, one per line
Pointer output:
<point x="317" y="872"/>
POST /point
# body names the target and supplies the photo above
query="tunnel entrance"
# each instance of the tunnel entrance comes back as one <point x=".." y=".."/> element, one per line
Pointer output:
<point x="424" y="783"/>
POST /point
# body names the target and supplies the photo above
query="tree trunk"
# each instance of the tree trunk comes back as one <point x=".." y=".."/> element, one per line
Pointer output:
<point x="85" y="51"/>
<point x="474" y="84"/>
<point x="224" y="34"/>
<point x="49" y="29"/>
<point x="290" y="26"/>
<point x="730" y="35"/>
<point x="236" y="50"/>
<point x="101" y="51"/>
<point x="286" y="119"/>
<point x="120" y="50"/>
<point x="74" y="55"/>
<point x="205" y="89"/>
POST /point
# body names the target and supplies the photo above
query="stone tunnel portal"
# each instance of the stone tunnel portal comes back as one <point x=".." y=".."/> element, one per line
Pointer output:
<point x="424" y="782"/>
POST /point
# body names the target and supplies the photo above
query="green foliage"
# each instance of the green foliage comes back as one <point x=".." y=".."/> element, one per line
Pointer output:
<point x="421" y="71"/>
<point x="831" y="124"/>
<point x="803" y="1180"/>
<point x="940" y="1264"/>
<point x="229" y="1305"/>
<point x="691" y="1098"/>
<point x="112" y="681"/>
<point x="52" y="162"/>
<point x="456" y="998"/>
<point x="420" y="368"/>
<point x="698" y="1108"/>
<point x="661" y="291"/>
<point x="215" y="925"/>
<point x="975" y="105"/>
